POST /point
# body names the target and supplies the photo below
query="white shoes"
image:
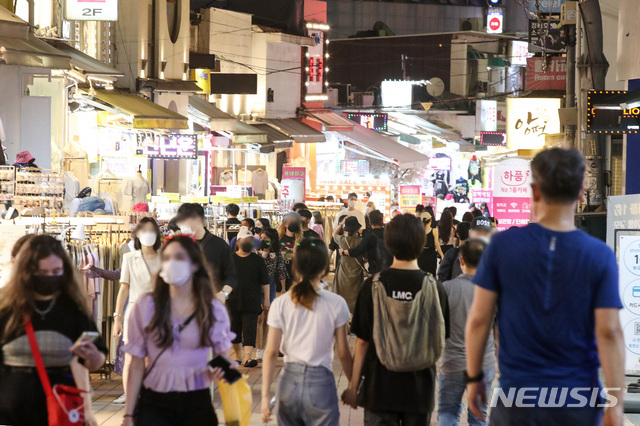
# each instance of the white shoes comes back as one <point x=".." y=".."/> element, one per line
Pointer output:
<point x="259" y="354"/>
<point x="119" y="400"/>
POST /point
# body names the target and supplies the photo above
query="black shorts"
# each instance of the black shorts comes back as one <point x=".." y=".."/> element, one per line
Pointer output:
<point x="245" y="327"/>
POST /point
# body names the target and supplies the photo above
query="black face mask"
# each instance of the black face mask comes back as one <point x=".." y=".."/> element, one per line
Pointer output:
<point x="294" y="227"/>
<point x="46" y="285"/>
<point x="265" y="245"/>
<point x="247" y="247"/>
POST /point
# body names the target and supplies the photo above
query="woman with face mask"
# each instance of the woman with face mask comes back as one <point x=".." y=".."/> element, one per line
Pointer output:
<point x="290" y="235"/>
<point x="139" y="268"/>
<point x="277" y="272"/>
<point x="176" y="327"/>
<point x="43" y="287"/>
<point x="249" y="298"/>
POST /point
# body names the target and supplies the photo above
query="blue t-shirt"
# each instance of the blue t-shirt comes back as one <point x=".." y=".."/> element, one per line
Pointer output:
<point x="549" y="284"/>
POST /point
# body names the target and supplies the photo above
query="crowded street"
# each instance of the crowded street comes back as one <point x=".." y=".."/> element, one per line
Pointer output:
<point x="319" y="212"/>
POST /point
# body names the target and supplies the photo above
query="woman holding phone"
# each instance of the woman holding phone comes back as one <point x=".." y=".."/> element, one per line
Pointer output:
<point x="43" y="288"/>
<point x="175" y="327"/>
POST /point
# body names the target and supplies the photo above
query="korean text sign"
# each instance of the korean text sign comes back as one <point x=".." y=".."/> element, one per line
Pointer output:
<point x="171" y="147"/>
<point x="529" y="120"/>
<point x="293" y="184"/>
<point x="512" y="193"/>
<point x="409" y="197"/>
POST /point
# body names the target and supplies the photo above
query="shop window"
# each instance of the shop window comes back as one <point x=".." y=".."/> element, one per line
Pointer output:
<point x="174" y="15"/>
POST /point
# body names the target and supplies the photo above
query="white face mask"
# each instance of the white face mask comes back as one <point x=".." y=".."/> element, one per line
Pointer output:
<point x="176" y="272"/>
<point x="186" y="229"/>
<point x="148" y="239"/>
<point x="352" y="203"/>
<point x="367" y="210"/>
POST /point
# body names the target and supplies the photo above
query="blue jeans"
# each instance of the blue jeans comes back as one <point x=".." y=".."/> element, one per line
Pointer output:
<point x="451" y="387"/>
<point x="272" y="291"/>
<point x="307" y="396"/>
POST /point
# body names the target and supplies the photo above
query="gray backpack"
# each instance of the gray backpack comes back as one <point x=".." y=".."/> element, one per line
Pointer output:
<point x="409" y="336"/>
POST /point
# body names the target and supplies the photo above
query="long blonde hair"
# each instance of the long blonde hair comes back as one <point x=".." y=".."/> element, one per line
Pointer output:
<point x="17" y="298"/>
<point x="282" y="231"/>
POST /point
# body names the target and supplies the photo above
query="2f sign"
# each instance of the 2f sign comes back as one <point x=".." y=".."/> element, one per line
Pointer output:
<point x="91" y="10"/>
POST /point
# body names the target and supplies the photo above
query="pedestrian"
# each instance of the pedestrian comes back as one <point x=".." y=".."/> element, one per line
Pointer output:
<point x="372" y="245"/>
<point x="299" y="206"/>
<point x="451" y="367"/>
<point x="482" y="228"/>
<point x="43" y="288"/>
<point x="306" y="217"/>
<point x="277" y="272"/>
<point x="176" y="327"/>
<point x="250" y="225"/>
<point x="305" y="323"/>
<point x="446" y="233"/>
<point x="350" y="273"/>
<point x="217" y="253"/>
<point x="290" y="235"/>
<point x="139" y="269"/>
<point x="561" y="286"/>
<point x="428" y="260"/>
<point x="419" y="209"/>
<point x="485" y="209"/>
<point x="434" y="222"/>
<point x="318" y="224"/>
<point x="467" y="217"/>
<point x="392" y="397"/>
<point x="262" y="224"/>
<point x="450" y="266"/>
<point x="233" y="224"/>
<point x="454" y="212"/>
<point x="369" y="207"/>
<point x="351" y="210"/>
<point x="250" y="297"/>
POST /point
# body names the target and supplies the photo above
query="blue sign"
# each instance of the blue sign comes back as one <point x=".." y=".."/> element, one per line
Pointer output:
<point x="547" y="6"/>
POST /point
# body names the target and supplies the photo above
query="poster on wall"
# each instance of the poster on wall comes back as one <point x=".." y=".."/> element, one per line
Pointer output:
<point x="409" y="197"/>
<point x="529" y="120"/>
<point x="553" y="78"/>
<point x="629" y="265"/>
<point x="512" y="193"/>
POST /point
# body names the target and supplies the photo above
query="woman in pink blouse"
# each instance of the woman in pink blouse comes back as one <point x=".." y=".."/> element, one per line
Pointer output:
<point x="175" y="327"/>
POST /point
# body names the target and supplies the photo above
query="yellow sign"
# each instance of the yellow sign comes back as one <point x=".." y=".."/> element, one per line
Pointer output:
<point x="202" y="76"/>
<point x="218" y="199"/>
<point x="426" y="105"/>
<point x="529" y="120"/>
<point x="249" y="199"/>
<point x="171" y="196"/>
<point x="232" y="200"/>
<point x="201" y="200"/>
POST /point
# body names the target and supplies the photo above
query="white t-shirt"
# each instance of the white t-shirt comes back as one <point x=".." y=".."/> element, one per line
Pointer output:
<point x="307" y="335"/>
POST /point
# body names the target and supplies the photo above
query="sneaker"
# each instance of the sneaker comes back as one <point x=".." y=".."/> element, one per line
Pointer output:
<point x="119" y="400"/>
<point x="260" y="354"/>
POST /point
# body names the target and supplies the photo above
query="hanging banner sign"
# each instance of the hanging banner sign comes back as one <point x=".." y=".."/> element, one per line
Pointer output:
<point x="512" y="193"/>
<point x="547" y="33"/>
<point x="479" y="196"/>
<point x="91" y="10"/>
<point x="294" y="173"/>
<point x="409" y="197"/>
<point x="553" y="78"/>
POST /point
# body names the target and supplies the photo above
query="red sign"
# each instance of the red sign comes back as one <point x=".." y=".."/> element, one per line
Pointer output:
<point x="294" y="173"/>
<point x="511" y="211"/>
<point x="430" y="201"/>
<point x="512" y="193"/>
<point x="494" y="24"/>
<point x="554" y="78"/>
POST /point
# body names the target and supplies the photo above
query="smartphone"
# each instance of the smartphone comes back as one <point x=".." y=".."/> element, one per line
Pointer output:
<point x="230" y="375"/>
<point x="86" y="336"/>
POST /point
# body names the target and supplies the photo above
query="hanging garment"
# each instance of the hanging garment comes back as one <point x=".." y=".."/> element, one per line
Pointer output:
<point x="440" y="184"/>
<point x="244" y="177"/>
<point x="475" y="172"/>
<point x="461" y="191"/>
<point x="260" y="182"/>
<point x="226" y="178"/>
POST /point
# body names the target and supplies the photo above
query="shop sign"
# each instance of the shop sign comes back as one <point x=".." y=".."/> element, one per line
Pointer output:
<point x="314" y="69"/>
<point x="480" y="196"/>
<point x="512" y="193"/>
<point x="202" y="77"/>
<point x="355" y="183"/>
<point x="169" y="147"/>
<point x="604" y="114"/>
<point x="547" y="33"/>
<point x="369" y="120"/>
<point x="529" y="120"/>
<point x="493" y="139"/>
<point x="554" y="78"/>
<point x="248" y="200"/>
<point x="396" y="93"/>
<point x="354" y="168"/>
<point x="519" y="53"/>
<point x="294" y="173"/>
<point x="91" y="10"/>
<point x="430" y="201"/>
<point x="494" y="20"/>
<point x="409" y="197"/>
<point x="629" y="288"/>
<point x="486" y="116"/>
<point x="546" y="6"/>
<point x="117" y="165"/>
<point x="293" y="184"/>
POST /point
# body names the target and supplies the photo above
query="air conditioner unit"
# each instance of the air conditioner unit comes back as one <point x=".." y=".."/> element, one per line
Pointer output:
<point x="471" y="24"/>
<point x="362" y="99"/>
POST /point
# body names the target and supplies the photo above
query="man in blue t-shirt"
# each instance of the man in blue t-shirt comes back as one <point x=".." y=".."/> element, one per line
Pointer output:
<point x="556" y="293"/>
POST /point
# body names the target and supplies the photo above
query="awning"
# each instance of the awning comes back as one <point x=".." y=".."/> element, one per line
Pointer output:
<point x="145" y="114"/>
<point x="32" y="52"/>
<point x="247" y="134"/>
<point x="275" y="139"/>
<point x="386" y="147"/>
<point x="177" y="86"/>
<point x="208" y="113"/>
<point x="296" y="130"/>
<point x="85" y="63"/>
<point x="332" y="121"/>
<point x="410" y="139"/>
<point x="420" y="126"/>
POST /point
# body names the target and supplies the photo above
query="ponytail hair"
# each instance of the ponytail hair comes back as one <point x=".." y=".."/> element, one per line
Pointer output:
<point x="310" y="262"/>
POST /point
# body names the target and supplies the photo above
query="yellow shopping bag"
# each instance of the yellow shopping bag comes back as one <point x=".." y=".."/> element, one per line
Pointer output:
<point x="236" y="402"/>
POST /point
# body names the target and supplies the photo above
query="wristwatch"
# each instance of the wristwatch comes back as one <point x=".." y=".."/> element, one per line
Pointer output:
<point x="226" y="295"/>
<point x="474" y="379"/>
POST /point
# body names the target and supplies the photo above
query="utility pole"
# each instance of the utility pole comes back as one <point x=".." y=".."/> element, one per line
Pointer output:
<point x="570" y="99"/>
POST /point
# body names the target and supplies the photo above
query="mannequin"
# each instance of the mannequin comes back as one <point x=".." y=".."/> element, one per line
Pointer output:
<point x="136" y="189"/>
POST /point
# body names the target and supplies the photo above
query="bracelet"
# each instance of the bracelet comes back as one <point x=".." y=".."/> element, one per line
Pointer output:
<point x="474" y="379"/>
<point x="115" y="315"/>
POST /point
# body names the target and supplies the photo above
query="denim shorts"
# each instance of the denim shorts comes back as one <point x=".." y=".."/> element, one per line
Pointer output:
<point x="307" y="395"/>
<point x="272" y="291"/>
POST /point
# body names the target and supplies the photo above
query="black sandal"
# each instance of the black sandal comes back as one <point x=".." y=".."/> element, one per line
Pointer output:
<point x="251" y="363"/>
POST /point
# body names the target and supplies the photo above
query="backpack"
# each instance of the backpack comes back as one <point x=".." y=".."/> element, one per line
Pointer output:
<point x="408" y="336"/>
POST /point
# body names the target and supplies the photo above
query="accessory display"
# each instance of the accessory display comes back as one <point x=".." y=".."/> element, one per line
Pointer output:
<point x="65" y="404"/>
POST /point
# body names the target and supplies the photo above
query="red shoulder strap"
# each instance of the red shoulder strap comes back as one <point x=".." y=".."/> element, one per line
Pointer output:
<point x="37" y="357"/>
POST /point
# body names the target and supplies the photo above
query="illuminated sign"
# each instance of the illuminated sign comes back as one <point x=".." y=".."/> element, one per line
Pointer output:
<point x="494" y="20"/>
<point x="170" y="147"/>
<point x="369" y="120"/>
<point x="354" y="168"/>
<point x="396" y="93"/>
<point x="315" y="67"/>
<point x="91" y="10"/>
<point x="529" y="120"/>
<point x="493" y="139"/>
<point x="606" y="115"/>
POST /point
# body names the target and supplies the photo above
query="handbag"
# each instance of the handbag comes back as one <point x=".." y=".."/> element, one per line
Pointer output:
<point x="365" y="271"/>
<point x="65" y="404"/>
<point x="236" y="401"/>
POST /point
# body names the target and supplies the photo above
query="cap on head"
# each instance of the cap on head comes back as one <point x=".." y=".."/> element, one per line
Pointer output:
<point x="351" y="224"/>
<point x="481" y="223"/>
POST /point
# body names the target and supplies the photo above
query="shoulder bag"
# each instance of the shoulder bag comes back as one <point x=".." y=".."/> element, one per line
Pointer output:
<point x="65" y="404"/>
<point x="365" y="271"/>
